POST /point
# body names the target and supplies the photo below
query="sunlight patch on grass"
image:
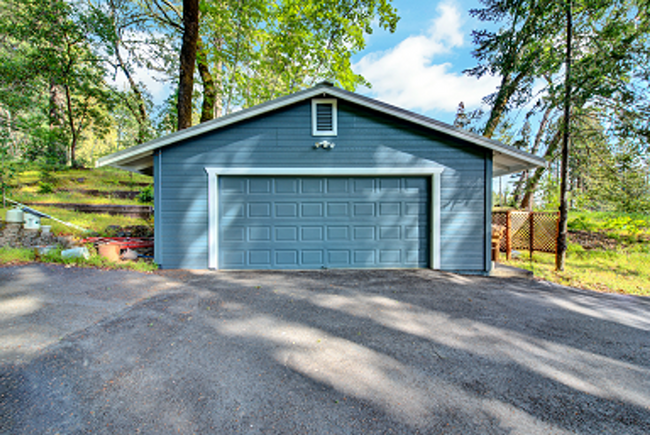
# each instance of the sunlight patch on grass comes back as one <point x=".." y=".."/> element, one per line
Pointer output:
<point x="621" y="271"/>
<point x="15" y="255"/>
<point x="71" y="197"/>
<point x="92" y="221"/>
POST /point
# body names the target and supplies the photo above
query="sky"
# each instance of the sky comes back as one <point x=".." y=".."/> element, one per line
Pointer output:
<point x="420" y="66"/>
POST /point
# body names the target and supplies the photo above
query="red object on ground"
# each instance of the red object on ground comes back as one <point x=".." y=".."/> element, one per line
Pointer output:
<point x="123" y="242"/>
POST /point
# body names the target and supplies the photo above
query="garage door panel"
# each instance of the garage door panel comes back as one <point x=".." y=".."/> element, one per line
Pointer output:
<point x="338" y="209"/>
<point x="323" y="222"/>
<point x="312" y="210"/>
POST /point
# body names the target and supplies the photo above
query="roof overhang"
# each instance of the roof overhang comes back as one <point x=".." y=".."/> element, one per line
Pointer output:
<point x="139" y="158"/>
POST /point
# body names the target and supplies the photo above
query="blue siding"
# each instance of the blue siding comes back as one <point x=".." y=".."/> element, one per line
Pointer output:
<point x="283" y="139"/>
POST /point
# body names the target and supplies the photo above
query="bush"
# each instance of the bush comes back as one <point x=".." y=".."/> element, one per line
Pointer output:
<point x="581" y="223"/>
<point x="44" y="187"/>
<point x="146" y="194"/>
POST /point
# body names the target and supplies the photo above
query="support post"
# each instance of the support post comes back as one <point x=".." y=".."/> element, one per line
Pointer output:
<point x="531" y="231"/>
<point x="508" y="235"/>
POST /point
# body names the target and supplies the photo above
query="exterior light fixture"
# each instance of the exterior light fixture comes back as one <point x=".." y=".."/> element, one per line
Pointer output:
<point x="324" y="144"/>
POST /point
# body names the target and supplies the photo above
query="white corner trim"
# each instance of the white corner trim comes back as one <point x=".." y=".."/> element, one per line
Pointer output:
<point x="314" y="117"/>
<point x="434" y="258"/>
<point x="213" y="221"/>
<point x="213" y="197"/>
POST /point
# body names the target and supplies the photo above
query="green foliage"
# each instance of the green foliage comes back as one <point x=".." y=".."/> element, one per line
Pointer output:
<point x="45" y="187"/>
<point x="146" y="195"/>
<point x="618" y="225"/>
<point x="581" y="223"/>
<point x="95" y="260"/>
<point x="15" y="255"/>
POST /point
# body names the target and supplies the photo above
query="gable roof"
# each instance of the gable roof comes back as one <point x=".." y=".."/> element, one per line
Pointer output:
<point x="506" y="159"/>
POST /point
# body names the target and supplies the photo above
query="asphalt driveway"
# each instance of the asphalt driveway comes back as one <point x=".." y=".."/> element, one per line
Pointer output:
<point x="88" y="351"/>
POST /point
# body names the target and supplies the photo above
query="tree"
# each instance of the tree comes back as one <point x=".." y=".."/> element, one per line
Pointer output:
<point x="48" y="41"/>
<point x="187" y="62"/>
<point x="521" y="51"/>
<point x="610" y="69"/>
<point x="250" y="52"/>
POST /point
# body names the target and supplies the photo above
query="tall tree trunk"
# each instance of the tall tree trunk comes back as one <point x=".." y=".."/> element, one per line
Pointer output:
<point x="56" y="121"/>
<point x="73" y="131"/>
<point x="521" y="183"/>
<point x="506" y="91"/>
<point x="533" y="181"/>
<point x="560" y="257"/>
<point x="187" y="61"/>
<point x="210" y="91"/>
<point x="140" y="112"/>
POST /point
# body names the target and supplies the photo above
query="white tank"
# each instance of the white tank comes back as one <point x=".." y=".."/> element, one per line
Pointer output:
<point x="32" y="222"/>
<point x="14" y="216"/>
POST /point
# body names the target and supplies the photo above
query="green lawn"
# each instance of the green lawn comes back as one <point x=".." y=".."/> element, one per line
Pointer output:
<point x="622" y="271"/>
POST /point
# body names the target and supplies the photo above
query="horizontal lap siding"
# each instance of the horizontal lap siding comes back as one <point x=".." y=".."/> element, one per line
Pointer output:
<point x="283" y="139"/>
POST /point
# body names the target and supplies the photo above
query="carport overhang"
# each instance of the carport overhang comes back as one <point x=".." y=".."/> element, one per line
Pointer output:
<point x="505" y="159"/>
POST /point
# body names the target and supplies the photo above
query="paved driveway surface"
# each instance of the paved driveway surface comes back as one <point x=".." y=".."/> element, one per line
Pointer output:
<point x="87" y="351"/>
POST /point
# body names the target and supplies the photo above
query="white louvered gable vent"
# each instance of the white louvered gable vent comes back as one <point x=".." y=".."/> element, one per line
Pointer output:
<point x="323" y="117"/>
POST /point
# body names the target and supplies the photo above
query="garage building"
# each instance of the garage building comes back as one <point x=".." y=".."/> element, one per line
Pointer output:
<point x="323" y="178"/>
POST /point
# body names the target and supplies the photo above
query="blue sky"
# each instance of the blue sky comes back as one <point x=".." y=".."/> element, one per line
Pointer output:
<point x="420" y="66"/>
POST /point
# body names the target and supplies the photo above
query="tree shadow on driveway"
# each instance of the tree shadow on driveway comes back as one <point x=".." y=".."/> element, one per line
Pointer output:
<point x="345" y="352"/>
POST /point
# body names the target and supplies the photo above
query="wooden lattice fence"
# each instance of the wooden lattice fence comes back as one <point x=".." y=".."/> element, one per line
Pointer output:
<point x="527" y="230"/>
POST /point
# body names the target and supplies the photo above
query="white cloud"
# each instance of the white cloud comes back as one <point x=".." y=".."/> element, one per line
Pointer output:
<point x="408" y="76"/>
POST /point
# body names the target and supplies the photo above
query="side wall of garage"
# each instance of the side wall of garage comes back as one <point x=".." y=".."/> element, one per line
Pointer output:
<point x="365" y="139"/>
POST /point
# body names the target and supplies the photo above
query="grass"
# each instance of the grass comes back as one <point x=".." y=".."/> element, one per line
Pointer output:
<point x="31" y="194"/>
<point x="94" y="222"/>
<point x="630" y="227"/>
<point x="76" y="181"/>
<point x="16" y="255"/>
<point x="107" y="180"/>
<point x="624" y="269"/>
<point x="69" y="186"/>
<point x="614" y="272"/>
<point x="9" y="256"/>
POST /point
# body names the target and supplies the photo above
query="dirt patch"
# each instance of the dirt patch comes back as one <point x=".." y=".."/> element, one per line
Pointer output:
<point x="129" y="231"/>
<point x="138" y="211"/>
<point x="593" y="240"/>
<point x="119" y="194"/>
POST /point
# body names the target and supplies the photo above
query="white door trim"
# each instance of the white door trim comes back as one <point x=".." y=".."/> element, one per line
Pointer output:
<point x="213" y="197"/>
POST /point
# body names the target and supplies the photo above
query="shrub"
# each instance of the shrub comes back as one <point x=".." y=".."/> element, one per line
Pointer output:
<point x="146" y="194"/>
<point x="44" y="187"/>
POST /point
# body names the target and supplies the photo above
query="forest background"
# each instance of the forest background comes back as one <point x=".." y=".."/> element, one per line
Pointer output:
<point x="60" y="106"/>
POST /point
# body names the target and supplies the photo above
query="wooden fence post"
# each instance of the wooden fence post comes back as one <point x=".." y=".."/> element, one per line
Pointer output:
<point x="531" y="235"/>
<point x="508" y="243"/>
